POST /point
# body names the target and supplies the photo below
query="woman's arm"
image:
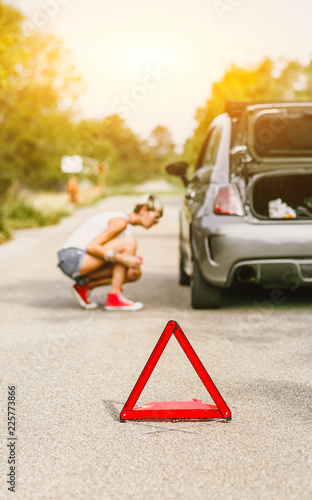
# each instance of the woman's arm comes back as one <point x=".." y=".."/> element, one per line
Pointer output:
<point x="115" y="226"/>
<point x="98" y="246"/>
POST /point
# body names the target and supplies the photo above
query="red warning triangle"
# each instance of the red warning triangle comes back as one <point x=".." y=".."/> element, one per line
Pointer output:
<point x="175" y="409"/>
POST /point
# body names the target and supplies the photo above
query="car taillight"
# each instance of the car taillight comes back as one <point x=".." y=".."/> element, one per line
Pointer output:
<point x="227" y="201"/>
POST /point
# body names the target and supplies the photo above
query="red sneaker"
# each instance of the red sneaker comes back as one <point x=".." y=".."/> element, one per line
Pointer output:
<point x="81" y="294"/>
<point x="117" y="302"/>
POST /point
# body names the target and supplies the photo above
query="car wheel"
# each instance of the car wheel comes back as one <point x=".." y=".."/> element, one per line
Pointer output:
<point x="204" y="295"/>
<point x="184" y="278"/>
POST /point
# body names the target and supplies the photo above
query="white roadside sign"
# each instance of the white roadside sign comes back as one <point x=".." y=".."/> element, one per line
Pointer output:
<point x="71" y="164"/>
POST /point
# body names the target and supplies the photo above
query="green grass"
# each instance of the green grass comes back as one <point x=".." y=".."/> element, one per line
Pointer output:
<point x="21" y="215"/>
<point x="5" y="234"/>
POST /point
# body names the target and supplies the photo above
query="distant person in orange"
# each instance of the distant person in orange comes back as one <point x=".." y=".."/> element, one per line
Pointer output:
<point x="102" y="251"/>
<point x="72" y="187"/>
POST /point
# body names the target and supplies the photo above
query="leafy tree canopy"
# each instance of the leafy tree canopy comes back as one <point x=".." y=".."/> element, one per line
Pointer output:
<point x="161" y="142"/>
<point x="38" y="88"/>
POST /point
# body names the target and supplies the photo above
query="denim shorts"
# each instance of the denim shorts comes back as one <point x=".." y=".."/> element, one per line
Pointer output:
<point x="70" y="261"/>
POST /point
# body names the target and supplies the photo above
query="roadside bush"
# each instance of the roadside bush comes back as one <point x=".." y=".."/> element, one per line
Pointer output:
<point x="5" y="234"/>
<point x="21" y="215"/>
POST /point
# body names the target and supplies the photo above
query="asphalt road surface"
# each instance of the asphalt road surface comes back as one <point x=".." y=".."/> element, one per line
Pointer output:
<point x="74" y="369"/>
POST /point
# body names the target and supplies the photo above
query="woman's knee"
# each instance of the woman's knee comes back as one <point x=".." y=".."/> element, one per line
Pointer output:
<point x="133" y="274"/>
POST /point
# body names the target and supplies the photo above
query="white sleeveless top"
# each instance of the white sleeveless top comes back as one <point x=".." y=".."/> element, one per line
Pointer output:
<point x="94" y="226"/>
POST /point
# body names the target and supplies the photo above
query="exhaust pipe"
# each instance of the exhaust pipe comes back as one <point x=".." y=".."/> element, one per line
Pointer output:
<point x="246" y="274"/>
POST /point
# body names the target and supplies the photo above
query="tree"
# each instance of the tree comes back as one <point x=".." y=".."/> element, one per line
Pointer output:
<point x="110" y="140"/>
<point x="161" y="143"/>
<point x="38" y="89"/>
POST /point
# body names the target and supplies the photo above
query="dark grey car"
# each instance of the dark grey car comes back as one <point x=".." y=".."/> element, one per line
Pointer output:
<point x="247" y="212"/>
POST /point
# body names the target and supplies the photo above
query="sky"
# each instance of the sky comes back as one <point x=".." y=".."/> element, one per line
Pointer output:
<point x="154" y="61"/>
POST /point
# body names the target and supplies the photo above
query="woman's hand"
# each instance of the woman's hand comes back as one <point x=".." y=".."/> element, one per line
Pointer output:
<point x="132" y="260"/>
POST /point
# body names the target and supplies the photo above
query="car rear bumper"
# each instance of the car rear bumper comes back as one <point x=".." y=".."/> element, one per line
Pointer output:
<point x="271" y="254"/>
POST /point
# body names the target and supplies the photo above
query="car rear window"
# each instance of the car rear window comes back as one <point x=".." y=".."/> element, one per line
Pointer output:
<point x="282" y="134"/>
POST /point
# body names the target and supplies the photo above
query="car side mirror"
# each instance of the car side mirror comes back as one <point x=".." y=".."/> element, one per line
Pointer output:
<point x="180" y="169"/>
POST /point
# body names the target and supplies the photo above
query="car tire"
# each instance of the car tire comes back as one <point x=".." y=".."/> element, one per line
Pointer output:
<point x="204" y="295"/>
<point x="184" y="279"/>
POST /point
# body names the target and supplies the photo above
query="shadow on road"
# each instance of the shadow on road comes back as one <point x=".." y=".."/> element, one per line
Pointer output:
<point x="265" y="298"/>
<point x="160" y="290"/>
<point x="155" y="290"/>
<point x="110" y="406"/>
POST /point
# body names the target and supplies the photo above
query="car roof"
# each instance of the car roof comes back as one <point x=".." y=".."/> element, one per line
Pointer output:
<point x="236" y="108"/>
